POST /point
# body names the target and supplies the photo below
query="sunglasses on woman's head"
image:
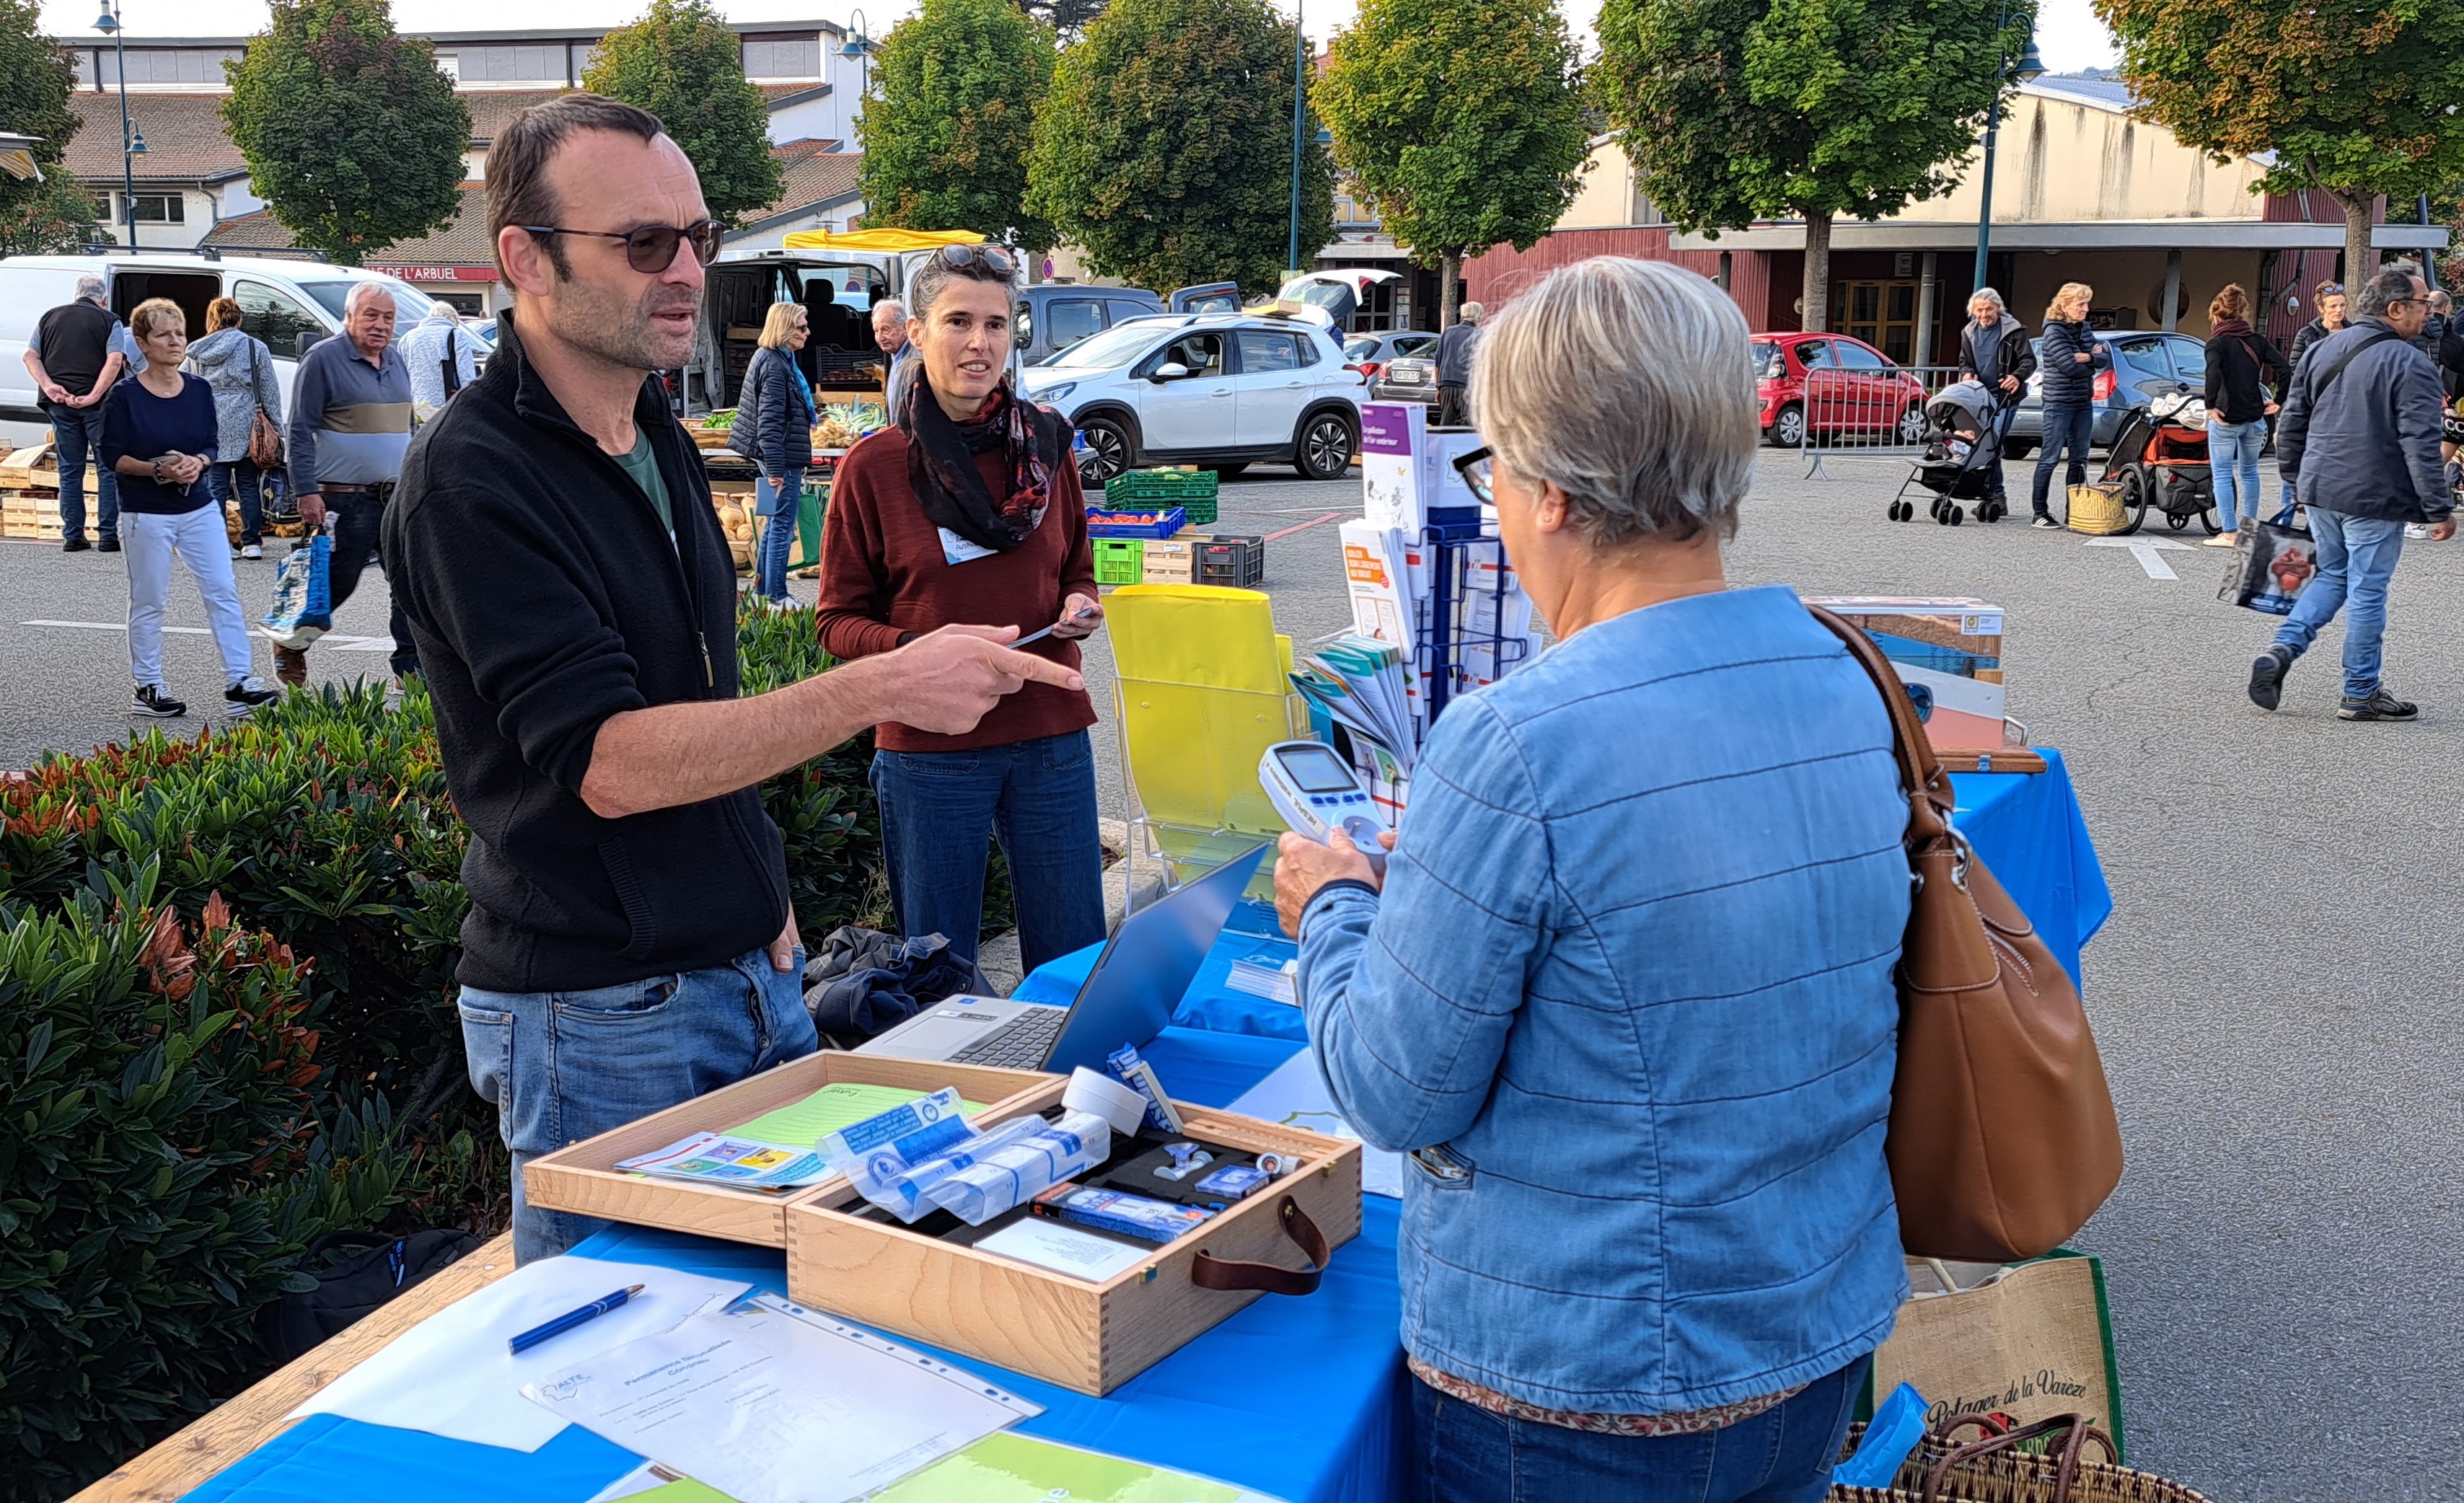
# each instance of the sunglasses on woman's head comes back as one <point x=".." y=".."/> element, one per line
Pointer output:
<point x="652" y="248"/>
<point x="992" y="258"/>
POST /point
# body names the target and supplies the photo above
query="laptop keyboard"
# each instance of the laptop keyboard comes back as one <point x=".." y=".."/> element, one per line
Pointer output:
<point x="1023" y="1043"/>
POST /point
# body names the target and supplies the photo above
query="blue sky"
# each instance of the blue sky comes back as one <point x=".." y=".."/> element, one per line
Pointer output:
<point x="2068" y="34"/>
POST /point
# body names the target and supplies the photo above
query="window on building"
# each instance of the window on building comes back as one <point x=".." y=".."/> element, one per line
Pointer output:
<point x="274" y="316"/>
<point x="158" y="208"/>
<point x="1881" y="314"/>
<point x="526" y="64"/>
<point x="195" y="66"/>
<point x="783" y="57"/>
<point x="1645" y="211"/>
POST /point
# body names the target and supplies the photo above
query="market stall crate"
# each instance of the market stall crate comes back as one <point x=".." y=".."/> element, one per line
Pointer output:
<point x="1102" y="523"/>
<point x="848" y="1258"/>
<point x="1118" y="560"/>
<point x="1184" y="486"/>
<point x="1173" y="560"/>
<point x="1233" y="562"/>
<point x="584" y="1178"/>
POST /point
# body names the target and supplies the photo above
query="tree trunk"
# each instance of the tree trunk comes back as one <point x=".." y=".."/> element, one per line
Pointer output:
<point x="1816" y="315"/>
<point x="1449" y="272"/>
<point x="2361" y="262"/>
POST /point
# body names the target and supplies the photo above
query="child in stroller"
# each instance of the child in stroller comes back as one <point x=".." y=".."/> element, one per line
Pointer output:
<point x="1962" y="457"/>
<point x="2159" y="461"/>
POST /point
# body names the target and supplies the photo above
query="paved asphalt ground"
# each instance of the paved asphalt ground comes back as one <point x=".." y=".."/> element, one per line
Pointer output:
<point x="2275" y="994"/>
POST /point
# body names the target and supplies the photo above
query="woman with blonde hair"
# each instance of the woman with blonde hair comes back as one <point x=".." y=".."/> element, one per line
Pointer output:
<point x="2241" y="368"/>
<point x="774" y="429"/>
<point x="159" y="436"/>
<point x="2068" y="355"/>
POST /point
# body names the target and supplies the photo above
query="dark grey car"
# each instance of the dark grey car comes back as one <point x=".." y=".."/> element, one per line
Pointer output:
<point x="2147" y="364"/>
<point x="1408" y="369"/>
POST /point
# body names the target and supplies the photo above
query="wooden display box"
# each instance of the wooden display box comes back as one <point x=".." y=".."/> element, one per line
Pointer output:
<point x="584" y="1178"/>
<point x="1083" y="1335"/>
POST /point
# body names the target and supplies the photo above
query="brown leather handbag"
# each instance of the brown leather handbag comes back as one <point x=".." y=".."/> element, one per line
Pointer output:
<point x="264" y="439"/>
<point x="2002" y="1140"/>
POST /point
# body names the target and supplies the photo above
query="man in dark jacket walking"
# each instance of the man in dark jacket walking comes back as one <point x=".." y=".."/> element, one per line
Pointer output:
<point x="1455" y="349"/>
<point x="2358" y="447"/>
<point x="629" y="944"/>
<point x="1994" y="350"/>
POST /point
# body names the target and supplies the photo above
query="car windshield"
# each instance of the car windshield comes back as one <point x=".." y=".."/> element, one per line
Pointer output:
<point x="1766" y="359"/>
<point x="1113" y="347"/>
<point x="1360" y="349"/>
<point x="409" y="303"/>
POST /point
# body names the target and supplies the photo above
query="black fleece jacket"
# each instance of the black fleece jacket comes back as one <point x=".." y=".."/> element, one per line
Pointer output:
<point x="545" y="598"/>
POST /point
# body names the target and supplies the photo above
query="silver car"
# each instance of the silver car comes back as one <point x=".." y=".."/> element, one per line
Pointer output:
<point x="2147" y="364"/>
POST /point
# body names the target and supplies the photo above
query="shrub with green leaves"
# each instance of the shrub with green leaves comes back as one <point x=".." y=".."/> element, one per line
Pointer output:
<point x="162" y="1168"/>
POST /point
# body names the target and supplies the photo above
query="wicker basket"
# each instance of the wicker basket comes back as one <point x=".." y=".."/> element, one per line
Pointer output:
<point x="1998" y="1469"/>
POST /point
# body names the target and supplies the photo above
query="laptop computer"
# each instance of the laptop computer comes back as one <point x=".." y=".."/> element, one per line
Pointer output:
<point x="1126" y="999"/>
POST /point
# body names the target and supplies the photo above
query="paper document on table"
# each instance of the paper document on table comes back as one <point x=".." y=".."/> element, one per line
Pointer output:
<point x="451" y="1375"/>
<point x="841" y="1103"/>
<point x="772" y="1402"/>
<point x="1008" y="1468"/>
<point x="1295" y="1097"/>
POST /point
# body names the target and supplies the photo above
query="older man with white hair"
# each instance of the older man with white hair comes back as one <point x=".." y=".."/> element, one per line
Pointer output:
<point x="78" y="354"/>
<point x="443" y="358"/>
<point x="350" y="423"/>
<point x="1993" y="351"/>
<point x="889" y="333"/>
<point x="1455" y="349"/>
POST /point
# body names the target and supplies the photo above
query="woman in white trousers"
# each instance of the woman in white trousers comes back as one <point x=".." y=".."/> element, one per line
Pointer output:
<point x="158" y="436"/>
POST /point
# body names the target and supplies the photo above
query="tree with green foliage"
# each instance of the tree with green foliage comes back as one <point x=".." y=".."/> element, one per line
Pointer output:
<point x="1165" y="147"/>
<point x="1738" y="110"/>
<point x="1067" y="18"/>
<point x="1460" y="121"/>
<point x="36" y="77"/>
<point x="352" y="136"/>
<point x="951" y="118"/>
<point x="683" y="64"/>
<point x="54" y="221"/>
<point x="2359" y="100"/>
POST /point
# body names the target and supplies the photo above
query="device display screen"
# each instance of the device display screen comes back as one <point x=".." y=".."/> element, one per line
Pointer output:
<point x="1317" y="769"/>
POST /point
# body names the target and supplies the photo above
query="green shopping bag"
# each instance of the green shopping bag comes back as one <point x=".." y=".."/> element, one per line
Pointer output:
<point x="809" y="524"/>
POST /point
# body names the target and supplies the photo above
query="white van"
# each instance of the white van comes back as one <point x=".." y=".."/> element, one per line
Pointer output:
<point x="288" y="303"/>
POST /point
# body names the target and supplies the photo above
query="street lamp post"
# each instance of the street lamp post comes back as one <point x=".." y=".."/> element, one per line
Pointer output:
<point x="1300" y="126"/>
<point x="859" y="47"/>
<point x="2026" y="70"/>
<point x="131" y="142"/>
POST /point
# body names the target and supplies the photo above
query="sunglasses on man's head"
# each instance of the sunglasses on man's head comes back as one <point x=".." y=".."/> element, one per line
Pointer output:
<point x="652" y="248"/>
<point x="992" y="258"/>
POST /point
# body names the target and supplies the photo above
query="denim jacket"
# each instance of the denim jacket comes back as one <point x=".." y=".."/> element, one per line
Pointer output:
<point x="1627" y="1000"/>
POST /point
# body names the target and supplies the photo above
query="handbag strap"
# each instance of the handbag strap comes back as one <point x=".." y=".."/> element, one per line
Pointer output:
<point x="1928" y="790"/>
<point x="1209" y="1272"/>
<point x="2065" y="1467"/>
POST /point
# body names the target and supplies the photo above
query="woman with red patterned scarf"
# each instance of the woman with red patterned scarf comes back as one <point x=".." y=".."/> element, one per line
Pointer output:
<point x="969" y="510"/>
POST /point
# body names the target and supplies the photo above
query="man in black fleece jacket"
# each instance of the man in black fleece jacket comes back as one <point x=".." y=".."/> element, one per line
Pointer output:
<point x="629" y="944"/>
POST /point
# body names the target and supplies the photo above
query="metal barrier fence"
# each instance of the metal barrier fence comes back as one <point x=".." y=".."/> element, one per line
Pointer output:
<point x="1871" y="410"/>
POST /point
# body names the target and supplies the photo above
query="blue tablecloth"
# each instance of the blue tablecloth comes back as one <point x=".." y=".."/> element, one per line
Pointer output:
<point x="2025" y="826"/>
<point x="1298" y="1398"/>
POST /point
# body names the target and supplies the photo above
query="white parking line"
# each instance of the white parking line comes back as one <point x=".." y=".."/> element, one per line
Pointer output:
<point x="338" y="642"/>
<point x="2143" y="549"/>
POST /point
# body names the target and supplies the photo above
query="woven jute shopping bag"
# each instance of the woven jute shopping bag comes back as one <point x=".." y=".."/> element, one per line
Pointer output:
<point x="2060" y="1460"/>
<point x="2027" y="1342"/>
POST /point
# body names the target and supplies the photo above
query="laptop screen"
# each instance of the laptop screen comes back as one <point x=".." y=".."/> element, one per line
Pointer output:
<point x="1146" y="966"/>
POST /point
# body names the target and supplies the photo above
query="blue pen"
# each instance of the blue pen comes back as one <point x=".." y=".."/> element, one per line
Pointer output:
<point x="566" y="1322"/>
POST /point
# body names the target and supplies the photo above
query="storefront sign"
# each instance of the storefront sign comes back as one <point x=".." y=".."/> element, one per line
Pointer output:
<point x="439" y="273"/>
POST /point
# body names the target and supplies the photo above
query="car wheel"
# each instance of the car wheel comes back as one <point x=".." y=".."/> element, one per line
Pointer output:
<point x="1912" y="424"/>
<point x="1323" y="450"/>
<point x="1108" y="451"/>
<point x="1787" y="429"/>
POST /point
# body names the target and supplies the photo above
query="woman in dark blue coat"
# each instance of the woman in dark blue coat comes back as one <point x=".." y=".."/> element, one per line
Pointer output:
<point x="2068" y="357"/>
<point x="774" y="429"/>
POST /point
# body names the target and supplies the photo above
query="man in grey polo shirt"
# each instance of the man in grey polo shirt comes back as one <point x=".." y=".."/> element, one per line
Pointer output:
<point x="350" y="423"/>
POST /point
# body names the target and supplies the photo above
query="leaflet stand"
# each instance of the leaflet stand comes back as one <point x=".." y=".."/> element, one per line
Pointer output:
<point x="1441" y="639"/>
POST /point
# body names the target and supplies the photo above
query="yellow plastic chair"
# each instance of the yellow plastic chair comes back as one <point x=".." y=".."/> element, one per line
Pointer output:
<point x="1201" y="689"/>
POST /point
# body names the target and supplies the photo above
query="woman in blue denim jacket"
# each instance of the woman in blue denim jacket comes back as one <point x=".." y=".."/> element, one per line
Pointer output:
<point x="1626" y="996"/>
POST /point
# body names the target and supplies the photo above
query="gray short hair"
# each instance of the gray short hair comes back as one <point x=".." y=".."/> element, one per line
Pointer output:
<point x="2392" y="283"/>
<point x="1627" y="385"/>
<point x="1986" y="294"/>
<point x="89" y="287"/>
<point x="896" y="309"/>
<point x="363" y="289"/>
<point x="1469" y="312"/>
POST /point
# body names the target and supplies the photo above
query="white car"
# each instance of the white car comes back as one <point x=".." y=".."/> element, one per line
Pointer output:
<point x="1222" y="390"/>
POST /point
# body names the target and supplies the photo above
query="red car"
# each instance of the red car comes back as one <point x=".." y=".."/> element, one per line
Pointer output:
<point x="1828" y="383"/>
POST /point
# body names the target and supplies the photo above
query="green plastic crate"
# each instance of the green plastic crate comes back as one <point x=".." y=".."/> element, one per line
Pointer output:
<point x="1119" y="560"/>
<point x="1200" y="512"/>
<point x="1138" y="488"/>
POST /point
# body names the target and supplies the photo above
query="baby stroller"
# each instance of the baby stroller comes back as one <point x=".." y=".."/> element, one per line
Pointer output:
<point x="2160" y="458"/>
<point x="1962" y="457"/>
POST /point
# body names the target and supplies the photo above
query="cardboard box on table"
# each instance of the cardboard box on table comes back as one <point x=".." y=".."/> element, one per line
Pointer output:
<point x="584" y="1178"/>
<point x="1087" y="1336"/>
<point x="1082" y="1333"/>
<point x="1948" y="650"/>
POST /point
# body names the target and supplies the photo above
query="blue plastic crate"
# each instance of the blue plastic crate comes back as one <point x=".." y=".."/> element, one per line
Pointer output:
<point x="1163" y="525"/>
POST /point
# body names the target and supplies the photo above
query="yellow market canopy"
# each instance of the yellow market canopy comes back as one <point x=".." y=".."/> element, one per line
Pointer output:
<point x="885" y="242"/>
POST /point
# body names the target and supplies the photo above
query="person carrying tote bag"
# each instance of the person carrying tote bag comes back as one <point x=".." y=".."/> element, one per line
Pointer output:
<point x="248" y="417"/>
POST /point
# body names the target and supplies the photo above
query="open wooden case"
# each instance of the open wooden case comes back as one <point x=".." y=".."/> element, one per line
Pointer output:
<point x="925" y="1281"/>
<point x="584" y="1178"/>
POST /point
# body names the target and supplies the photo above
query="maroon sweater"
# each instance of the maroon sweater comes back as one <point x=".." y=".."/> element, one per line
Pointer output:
<point x="883" y="575"/>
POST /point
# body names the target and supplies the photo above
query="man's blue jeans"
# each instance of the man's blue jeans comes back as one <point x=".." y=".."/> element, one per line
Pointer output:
<point x="563" y="1066"/>
<point x="1038" y="797"/>
<point x="76" y="436"/>
<point x="2233" y="459"/>
<point x="1461" y="1453"/>
<point x="2357" y="556"/>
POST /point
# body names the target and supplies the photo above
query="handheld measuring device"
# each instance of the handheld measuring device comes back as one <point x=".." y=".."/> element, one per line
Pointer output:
<point x="1318" y="792"/>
